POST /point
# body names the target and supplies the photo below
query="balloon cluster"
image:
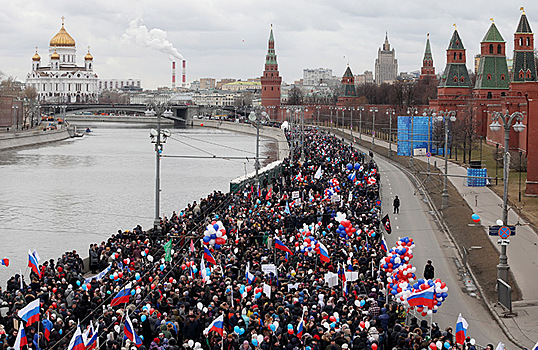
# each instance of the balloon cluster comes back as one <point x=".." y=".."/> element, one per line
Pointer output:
<point x="257" y="339"/>
<point x="215" y="234"/>
<point x="308" y="246"/>
<point x="440" y="294"/>
<point x="345" y="229"/>
<point x="399" y="255"/>
<point x="350" y="166"/>
<point x="243" y="290"/>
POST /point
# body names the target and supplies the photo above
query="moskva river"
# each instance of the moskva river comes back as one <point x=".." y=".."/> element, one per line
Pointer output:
<point x="67" y="195"/>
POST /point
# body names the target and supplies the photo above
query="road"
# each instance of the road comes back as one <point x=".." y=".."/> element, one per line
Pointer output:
<point x="415" y="221"/>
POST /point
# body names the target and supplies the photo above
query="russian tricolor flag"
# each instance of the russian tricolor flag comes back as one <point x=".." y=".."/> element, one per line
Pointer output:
<point x="352" y="177"/>
<point x="251" y="278"/>
<point x="30" y="313"/>
<point x="130" y="333"/>
<point x="122" y="296"/>
<point x="209" y="257"/>
<point x="324" y="253"/>
<point x="77" y="342"/>
<point x="461" y="330"/>
<point x="91" y="337"/>
<point x="384" y="245"/>
<point x="20" y="341"/>
<point x="5" y="262"/>
<point x="300" y="328"/>
<point x="47" y="328"/>
<point x="33" y="262"/>
<point x="280" y="246"/>
<point x="422" y="298"/>
<point x="216" y="326"/>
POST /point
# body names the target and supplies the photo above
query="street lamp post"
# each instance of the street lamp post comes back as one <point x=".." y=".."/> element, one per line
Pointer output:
<point x="318" y="108"/>
<point x="331" y="108"/>
<point x="390" y="112"/>
<point x="429" y="113"/>
<point x="507" y="120"/>
<point x="361" y="108"/>
<point x="16" y="110"/>
<point x="351" y="109"/>
<point x="446" y="116"/>
<point x="155" y="135"/>
<point x="302" y="110"/>
<point x="373" y="110"/>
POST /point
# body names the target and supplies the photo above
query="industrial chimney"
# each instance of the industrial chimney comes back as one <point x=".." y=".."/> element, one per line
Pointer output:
<point x="184" y="74"/>
<point x="173" y="75"/>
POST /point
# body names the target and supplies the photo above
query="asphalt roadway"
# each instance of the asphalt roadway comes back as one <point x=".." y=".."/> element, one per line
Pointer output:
<point x="416" y="221"/>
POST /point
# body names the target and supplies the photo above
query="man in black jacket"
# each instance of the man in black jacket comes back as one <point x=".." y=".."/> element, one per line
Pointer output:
<point x="429" y="270"/>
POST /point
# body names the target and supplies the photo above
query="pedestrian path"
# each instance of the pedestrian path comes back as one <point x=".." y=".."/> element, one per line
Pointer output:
<point x="522" y="252"/>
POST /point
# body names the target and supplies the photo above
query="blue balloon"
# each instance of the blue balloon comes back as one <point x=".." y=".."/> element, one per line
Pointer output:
<point x="194" y="269"/>
<point x="137" y="276"/>
<point x="241" y="331"/>
<point x="255" y="342"/>
<point x="216" y="227"/>
<point x="349" y="166"/>
<point x="273" y="327"/>
<point x="207" y="239"/>
<point x="213" y="236"/>
<point x="290" y="326"/>
<point x="143" y="318"/>
<point x="362" y="302"/>
<point x="217" y="246"/>
<point x="161" y="267"/>
<point x="78" y="283"/>
<point x="141" y="337"/>
<point x="111" y="277"/>
<point x="133" y="291"/>
<point x="236" y="329"/>
<point x="447" y="345"/>
<point x="357" y="166"/>
<point x="258" y="295"/>
<point x="61" y="331"/>
<point x="84" y="287"/>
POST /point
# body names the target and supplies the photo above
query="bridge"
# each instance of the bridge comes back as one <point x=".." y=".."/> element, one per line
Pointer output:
<point x="180" y="113"/>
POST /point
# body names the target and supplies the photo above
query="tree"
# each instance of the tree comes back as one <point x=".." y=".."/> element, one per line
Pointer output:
<point x="295" y="96"/>
<point x="108" y="96"/>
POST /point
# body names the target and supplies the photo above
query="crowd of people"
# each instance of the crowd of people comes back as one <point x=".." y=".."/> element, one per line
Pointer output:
<point x="289" y="302"/>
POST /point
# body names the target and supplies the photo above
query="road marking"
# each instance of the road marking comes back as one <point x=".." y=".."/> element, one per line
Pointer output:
<point x="397" y="227"/>
<point x="390" y="192"/>
<point x="395" y="218"/>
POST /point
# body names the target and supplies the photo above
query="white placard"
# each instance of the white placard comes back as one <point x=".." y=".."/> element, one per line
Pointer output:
<point x="352" y="275"/>
<point x="268" y="268"/>
<point x="331" y="278"/>
<point x="295" y="194"/>
<point x="293" y="286"/>
<point x="267" y="290"/>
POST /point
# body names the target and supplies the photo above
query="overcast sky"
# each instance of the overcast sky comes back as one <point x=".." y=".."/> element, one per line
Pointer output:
<point x="228" y="38"/>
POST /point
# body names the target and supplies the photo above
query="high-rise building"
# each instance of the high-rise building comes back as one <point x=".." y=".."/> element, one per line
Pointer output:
<point x="207" y="83"/>
<point x="62" y="81"/>
<point x="427" y="70"/>
<point x="317" y="76"/>
<point x="386" y="64"/>
<point x="271" y="80"/>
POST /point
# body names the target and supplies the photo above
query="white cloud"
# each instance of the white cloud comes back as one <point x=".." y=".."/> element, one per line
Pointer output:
<point x="228" y="38"/>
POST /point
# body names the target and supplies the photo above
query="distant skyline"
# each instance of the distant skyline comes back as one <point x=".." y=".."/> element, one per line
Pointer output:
<point x="228" y="38"/>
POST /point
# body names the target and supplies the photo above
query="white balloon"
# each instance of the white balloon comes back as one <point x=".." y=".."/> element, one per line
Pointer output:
<point x="150" y="258"/>
<point x="219" y="234"/>
<point x="473" y="342"/>
<point x="191" y="343"/>
<point x="260" y="338"/>
<point x="200" y="306"/>
<point x="276" y="324"/>
<point x="204" y="310"/>
<point x="117" y="328"/>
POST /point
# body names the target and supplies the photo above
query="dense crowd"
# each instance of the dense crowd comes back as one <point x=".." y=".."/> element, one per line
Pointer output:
<point x="173" y="302"/>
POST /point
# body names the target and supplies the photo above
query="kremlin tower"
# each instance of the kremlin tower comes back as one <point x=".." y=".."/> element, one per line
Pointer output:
<point x="427" y="70"/>
<point x="271" y="81"/>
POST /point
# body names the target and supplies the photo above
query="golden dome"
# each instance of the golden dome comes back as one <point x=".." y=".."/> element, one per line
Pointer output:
<point x="55" y="56"/>
<point x="88" y="56"/>
<point x="62" y="38"/>
<point x="36" y="56"/>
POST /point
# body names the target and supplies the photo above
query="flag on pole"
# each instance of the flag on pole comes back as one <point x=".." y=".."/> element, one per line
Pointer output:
<point x="352" y="176"/>
<point x="269" y="194"/>
<point x="461" y="330"/>
<point x="318" y="173"/>
<point x="33" y="262"/>
<point x="91" y="337"/>
<point x="251" y="278"/>
<point x="386" y="224"/>
<point x="47" y="328"/>
<point x="209" y="257"/>
<point x="20" y="341"/>
<point x="341" y="273"/>
<point x="216" y="326"/>
<point x="130" y="333"/>
<point x="422" y="298"/>
<point x="191" y="248"/>
<point x="300" y="328"/>
<point x="324" y="253"/>
<point x="77" y="343"/>
<point x="168" y="251"/>
<point x="30" y="313"/>
<point x="280" y="246"/>
<point x="384" y="245"/>
<point x="500" y="346"/>
<point x="287" y="209"/>
<point x="203" y="271"/>
<point x="122" y="296"/>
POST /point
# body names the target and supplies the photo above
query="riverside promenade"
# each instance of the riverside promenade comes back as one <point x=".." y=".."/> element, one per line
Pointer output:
<point x="522" y="252"/>
<point x="31" y="137"/>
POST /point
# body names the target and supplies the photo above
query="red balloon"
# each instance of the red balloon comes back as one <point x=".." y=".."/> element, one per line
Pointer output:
<point x="424" y="314"/>
<point x="332" y="318"/>
<point x="362" y="324"/>
<point x="443" y="285"/>
<point x="120" y="274"/>
<point x="150" y="279"/>
<point x="146" y="250"/>
<point x="60" y="269"/>
<point x="88" y="286"/>
<point x="374" y="346"/>
<point x="290" y="331"/>
<point x="152" y="286"/>
<point x="183" y="266"/>
<point x="54" y="289"/>
<point x="54" y="305"/>
<point x="433" y="346"/>
<point x="171" y="279"/>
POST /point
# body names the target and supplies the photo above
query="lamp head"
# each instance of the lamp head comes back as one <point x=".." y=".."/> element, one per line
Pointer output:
<point x="519" y="126"/>
<point x="495" y="126"/>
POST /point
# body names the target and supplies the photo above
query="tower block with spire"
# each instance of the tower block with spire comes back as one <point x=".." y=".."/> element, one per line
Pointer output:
<point x="427" y="71"/>
<point x="271" y="81"/>
<point x="455" y="86"/>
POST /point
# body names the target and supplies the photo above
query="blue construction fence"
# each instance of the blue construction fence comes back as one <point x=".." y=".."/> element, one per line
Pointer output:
<point x="474" y="181"/>
<point x="417" y="129"/>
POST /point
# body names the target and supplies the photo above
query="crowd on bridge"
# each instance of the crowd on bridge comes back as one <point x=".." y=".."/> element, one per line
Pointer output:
<point x="297" y="267"/>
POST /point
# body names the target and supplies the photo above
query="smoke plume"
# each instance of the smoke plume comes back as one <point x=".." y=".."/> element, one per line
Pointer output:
<point x="155" y="39"/>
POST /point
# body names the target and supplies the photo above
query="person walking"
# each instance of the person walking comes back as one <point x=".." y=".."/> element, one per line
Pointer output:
<point x="429" y="270"/>
<point x="396" y="205"/>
